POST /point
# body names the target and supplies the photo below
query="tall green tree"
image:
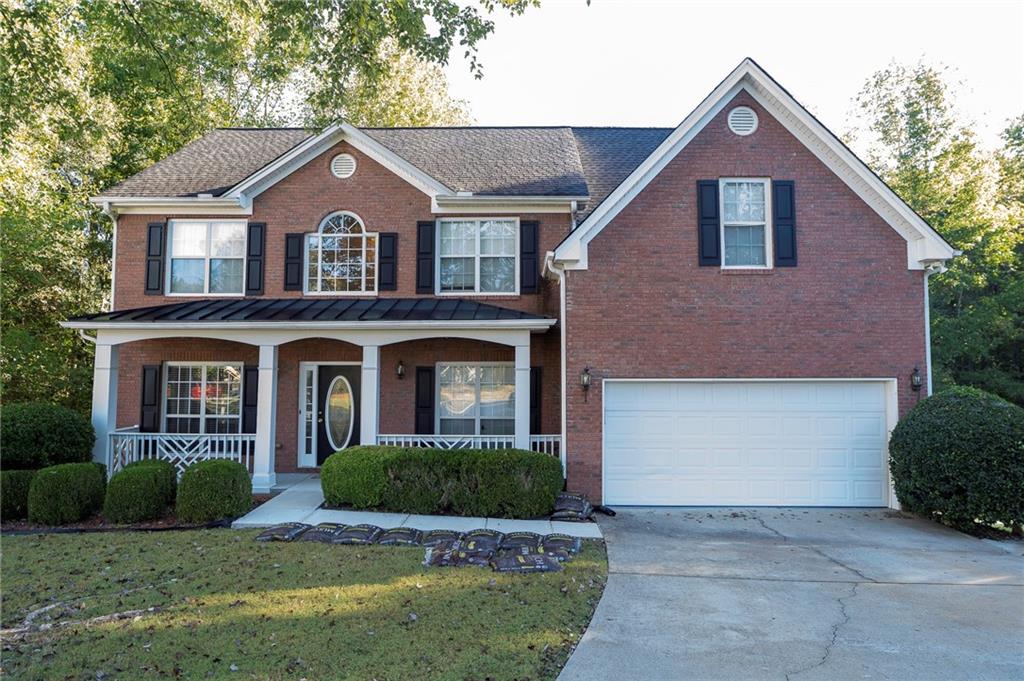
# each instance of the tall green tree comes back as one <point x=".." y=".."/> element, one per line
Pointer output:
<point x="927" y="152"/>
<point x="93" y="91"/>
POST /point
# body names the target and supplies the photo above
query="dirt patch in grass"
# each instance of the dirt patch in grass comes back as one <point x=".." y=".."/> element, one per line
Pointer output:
<point x="215" y="604"/>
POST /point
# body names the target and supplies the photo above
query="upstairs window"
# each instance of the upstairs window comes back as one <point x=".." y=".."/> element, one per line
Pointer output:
<point x="206" y="257"/>
<point x="745" y="213"/>
<point x="341" y="257"/>
<point x="478" y="255"/>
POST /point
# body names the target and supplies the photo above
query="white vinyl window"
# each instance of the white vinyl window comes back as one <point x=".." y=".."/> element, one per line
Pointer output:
<point x="202" y="397"/>
<point x="341" y="257"/>
<point x="478" y="255"/>
<point x="476" y="399"/>
<point x="206" y="257"/>
<point x="746" y="214"/>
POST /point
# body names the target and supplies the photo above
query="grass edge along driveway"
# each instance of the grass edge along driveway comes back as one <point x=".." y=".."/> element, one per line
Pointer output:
<point x="216" y="604"/>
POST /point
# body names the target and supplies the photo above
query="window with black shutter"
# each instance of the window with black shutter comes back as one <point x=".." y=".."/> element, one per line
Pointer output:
<point x="784" y="214"/>
<point x="387" y="264"/>
<point x="254" y="249"/>
<point x="708" y="223"/>
<point x="155" y="240"/>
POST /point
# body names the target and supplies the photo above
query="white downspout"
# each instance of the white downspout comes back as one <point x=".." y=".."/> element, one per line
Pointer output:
<point x="559" y="271"/>
<point x="112" y="214"/>
<point x="928" y="271"/>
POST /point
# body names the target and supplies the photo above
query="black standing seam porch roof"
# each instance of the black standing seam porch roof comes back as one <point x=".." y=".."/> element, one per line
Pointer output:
<point x="286" y="310"/>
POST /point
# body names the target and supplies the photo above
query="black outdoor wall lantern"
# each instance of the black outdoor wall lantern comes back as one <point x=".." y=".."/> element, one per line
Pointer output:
<point x="915" y="380"/>
<point x="585" y="381"/>
<point x="400" y="370"/>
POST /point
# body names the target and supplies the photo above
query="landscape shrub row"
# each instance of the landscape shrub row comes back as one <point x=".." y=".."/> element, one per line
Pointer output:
<point x="503" y="483"/>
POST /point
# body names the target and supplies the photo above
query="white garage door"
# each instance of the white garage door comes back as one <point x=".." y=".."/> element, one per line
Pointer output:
<point x="758" y="443"/>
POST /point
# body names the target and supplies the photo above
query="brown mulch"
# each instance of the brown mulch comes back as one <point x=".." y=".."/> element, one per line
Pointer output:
<point x="97" y="523"/>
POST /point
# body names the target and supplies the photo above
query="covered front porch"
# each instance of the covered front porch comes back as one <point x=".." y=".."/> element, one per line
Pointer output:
<point x="285" y="386"/>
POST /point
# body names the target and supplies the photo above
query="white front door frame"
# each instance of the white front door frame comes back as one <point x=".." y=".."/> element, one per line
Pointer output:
<point x="892" y="411"/>
<point x="306" y="459"/>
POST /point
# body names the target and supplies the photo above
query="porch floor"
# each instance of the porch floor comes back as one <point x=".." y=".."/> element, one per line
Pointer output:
<point x="301" y="497"/>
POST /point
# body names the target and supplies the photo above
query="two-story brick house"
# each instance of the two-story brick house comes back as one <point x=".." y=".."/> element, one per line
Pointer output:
<point x="732" y="311"/>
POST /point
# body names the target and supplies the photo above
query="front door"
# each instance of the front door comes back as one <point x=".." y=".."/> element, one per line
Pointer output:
<point x="337" y="409"/>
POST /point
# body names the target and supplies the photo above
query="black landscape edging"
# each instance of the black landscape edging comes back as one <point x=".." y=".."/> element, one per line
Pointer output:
<point x="90" y="530"/>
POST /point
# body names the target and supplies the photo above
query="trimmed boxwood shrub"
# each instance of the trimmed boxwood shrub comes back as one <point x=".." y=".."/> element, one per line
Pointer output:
<point x="140" y="492"/>
<point x="14" y="494"/>
<point x="212" y="490"/>
<point x="66" y="493"/>
<point x="37" y="434"/>
<point x="167" y="475"/>
<point x="958" y="456"/>
<point x="503" y="483"/>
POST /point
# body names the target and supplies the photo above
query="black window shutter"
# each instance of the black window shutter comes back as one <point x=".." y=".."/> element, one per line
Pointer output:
<point x="293" y="261"/>
<point x="708" y="226"/>
<point x="784" y="219"/>
<point x="529" y="256"/>
<point x="387" y="262"/>
<point x="155" y="240"/>
<point x="149" y="419"/>
<point x="254" y="249"/>
<point x="250" y="397"/>
<point x="535" y="393"/>
<point x="424" y="400"/>
<point x="425" y="257"/>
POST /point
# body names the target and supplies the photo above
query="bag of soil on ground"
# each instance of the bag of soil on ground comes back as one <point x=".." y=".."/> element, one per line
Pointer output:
<point x="435" y="537"/>
<point x="358" y="534"/>
<point x="551" y="543"/>
<point x="324" y="533"/>
<point x="559" y="554"/>
<point x="572" y="507"/>
<point x="456" y="554"/>
<point x="482" y="540"/>
<point x="514" y="540"/>
<point x="531" y="562"/>
<point x="282" y="532"/>
<point x="400" y="536"/>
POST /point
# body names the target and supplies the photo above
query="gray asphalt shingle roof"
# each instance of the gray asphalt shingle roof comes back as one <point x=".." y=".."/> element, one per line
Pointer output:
<point x="502" y="161"/>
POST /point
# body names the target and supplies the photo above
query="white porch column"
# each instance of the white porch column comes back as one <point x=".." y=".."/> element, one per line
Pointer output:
<point x="522" y="428"/>
<point x="369" y="396"/>
<point x="104" y="399"/>
<point x="263" y="476"/>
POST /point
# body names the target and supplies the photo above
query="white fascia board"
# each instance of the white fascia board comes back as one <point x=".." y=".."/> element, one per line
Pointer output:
<point x="505" y="204"/>
<point x="923" y="243"/>
<point x="523" y="324"/>
<point x="178" y="205"/>
<point x="309" y="149"/>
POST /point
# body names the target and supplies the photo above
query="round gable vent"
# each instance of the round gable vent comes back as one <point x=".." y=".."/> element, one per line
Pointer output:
<point x="343" y="165"/>
<point x="742" y="120"/>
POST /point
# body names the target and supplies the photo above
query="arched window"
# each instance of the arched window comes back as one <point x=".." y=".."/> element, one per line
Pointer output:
<point x="341" y="257"/>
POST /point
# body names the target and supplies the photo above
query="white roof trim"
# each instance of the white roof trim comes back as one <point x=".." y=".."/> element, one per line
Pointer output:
<point x="449" y="324"/>
<point x="312" y="147"/>
<point x="924" y="245"/>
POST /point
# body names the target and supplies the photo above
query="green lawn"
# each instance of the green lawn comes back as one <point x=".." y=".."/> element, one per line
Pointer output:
<point x="225" y="606"/>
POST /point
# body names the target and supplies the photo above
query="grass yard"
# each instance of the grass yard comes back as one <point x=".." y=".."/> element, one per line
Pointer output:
<point x="216" y="604"/>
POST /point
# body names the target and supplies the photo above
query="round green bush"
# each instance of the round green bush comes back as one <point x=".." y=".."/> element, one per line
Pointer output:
<point x="66" y="493"/>
<point x="503" y="483"/>
<point x="212" y="490"/>
<point x="14" y="494"/>
<point x="958" y="456"/>
<point x="167" y="475"/>
<point x="37" y="434"/>
<point x="139" y="492"/>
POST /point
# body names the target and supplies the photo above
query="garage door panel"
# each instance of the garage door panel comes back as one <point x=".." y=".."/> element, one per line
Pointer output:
<point x="741" y="443"/>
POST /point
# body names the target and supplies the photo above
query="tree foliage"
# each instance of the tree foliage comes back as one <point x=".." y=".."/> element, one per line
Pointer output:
<point x="923" y="148"/>
<point x="93" y="91"/>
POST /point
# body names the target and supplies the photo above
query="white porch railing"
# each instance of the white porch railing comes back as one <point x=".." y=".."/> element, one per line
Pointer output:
<point x="546" y="444"/>
<point x="181" y="449"/>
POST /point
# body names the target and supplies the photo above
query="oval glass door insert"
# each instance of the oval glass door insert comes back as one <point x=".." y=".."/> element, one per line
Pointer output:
<point x="339" y="413"/>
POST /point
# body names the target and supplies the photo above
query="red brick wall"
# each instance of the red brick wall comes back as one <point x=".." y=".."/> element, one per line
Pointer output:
<point x="298" y="203"/>
<point x="644" y="308"/>
<point x="397" y="406"/>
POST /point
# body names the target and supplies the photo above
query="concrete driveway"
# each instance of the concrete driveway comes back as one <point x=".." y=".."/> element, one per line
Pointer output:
<point x="802" y="594"/>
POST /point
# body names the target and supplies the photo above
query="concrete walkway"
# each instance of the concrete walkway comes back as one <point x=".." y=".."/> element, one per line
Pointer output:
<point x="300" y="503"/>
<point x="802" y="594"/>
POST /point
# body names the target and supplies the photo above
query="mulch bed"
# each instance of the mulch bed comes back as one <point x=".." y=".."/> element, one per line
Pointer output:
<point x="97" y="523"/>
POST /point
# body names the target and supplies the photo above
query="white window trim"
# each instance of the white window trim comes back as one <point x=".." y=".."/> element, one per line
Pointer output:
<point x="476" y="418"/>
<point x="206" y="260"/>
<point x="202" y="415"/>
<point x="476" y="258"/>
<point x="769" y="236"/>
<point x="319" y="274"/>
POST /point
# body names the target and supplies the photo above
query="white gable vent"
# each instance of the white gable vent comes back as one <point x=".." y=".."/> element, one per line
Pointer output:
<point x="343" y="165"/>
<point x="742" y="120"/>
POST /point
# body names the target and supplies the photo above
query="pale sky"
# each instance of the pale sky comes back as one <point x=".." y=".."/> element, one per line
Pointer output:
<point x="648" y="62"/>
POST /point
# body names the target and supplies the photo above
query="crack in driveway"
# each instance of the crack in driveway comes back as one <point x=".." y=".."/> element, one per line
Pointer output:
<point x="844" y="619"/>
<point x="815" y="549"/>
